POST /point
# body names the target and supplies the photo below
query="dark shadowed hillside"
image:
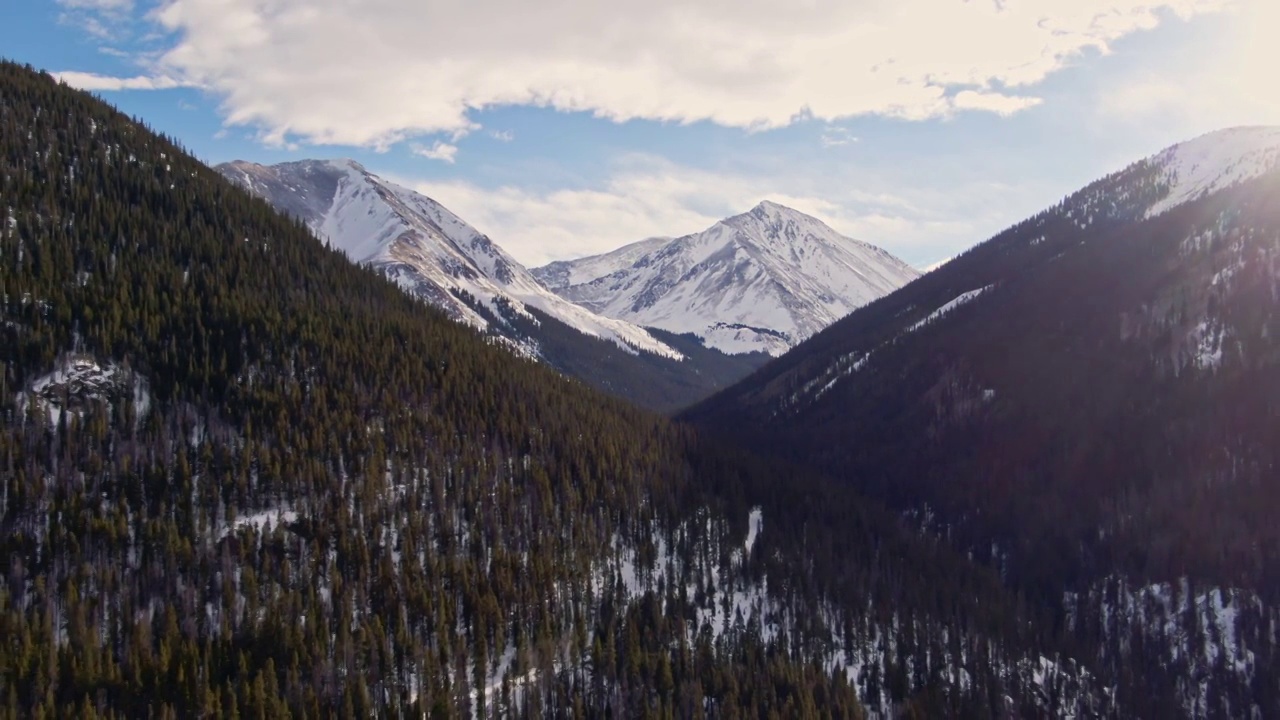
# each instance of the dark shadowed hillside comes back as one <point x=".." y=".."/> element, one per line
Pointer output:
<point x="1089" y="403"/>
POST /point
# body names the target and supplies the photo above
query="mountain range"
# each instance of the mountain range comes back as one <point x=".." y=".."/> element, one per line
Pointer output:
<point x="437" y="257"/>
<point x="423" y="247"/>
<point x="247" y="471"/>
<point x="694" y="313"/>
<point x="761" y="281"/>
<point x="244" y="476"/>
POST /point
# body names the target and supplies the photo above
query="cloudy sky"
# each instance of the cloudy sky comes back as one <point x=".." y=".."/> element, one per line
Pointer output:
<point x="567" y="127"/>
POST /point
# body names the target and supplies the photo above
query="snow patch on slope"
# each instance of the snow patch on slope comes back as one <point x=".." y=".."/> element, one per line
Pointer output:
<point x="1198" y="628"/>
<point x="1214" y="162"/>
<point x="262" y="521"/>
<point x="78" y="381"/>
<point x="850" y="363"/>
<point x="755" y="523"/>
<point x="724" y="601"/>
<point x="962" y="299"/>
<point x="1208" y="337"/>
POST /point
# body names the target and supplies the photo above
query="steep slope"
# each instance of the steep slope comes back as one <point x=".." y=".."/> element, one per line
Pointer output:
<point x="434" y="255"/>
<point x="1088" y="402"/>
<point x="760" y="281"/>
<point x="418" y="243"/>
<point x="1213" y="162"/>
<point x="245" y="477"/>
<point x="562" y="274"/>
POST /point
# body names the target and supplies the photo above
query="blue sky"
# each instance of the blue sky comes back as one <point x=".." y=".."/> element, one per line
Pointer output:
<point x="923" y="126"/>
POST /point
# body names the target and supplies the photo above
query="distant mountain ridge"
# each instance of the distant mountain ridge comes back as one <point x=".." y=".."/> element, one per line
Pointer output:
<point x="567" y="273"/>
<point x="760" y="281"/>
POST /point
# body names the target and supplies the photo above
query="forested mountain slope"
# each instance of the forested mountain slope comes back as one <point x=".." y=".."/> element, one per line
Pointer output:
<point x="245" y="477"/>
<point x="1090" y="403"/>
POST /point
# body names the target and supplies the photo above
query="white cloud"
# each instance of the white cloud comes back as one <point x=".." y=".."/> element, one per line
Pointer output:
<point x="502" y="135"/>
<point x="439" y="151"/>
<point x="1193" y="94"/>
<point x="837" y="137"/>
<point x="93" y="81"/>
<point x="89" y="24"/>
<point x="460" y="132"/>
<point x="648" y="197"/>
<point x="993" y="102"/>
<point x="376" y="72"/>
<point x="103" y="19"/>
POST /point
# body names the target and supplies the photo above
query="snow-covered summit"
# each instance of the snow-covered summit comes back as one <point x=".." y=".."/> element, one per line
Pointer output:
<point x="1214" y="162"/>
<point x="421" y="245"/>
<point x="760" y="281"/>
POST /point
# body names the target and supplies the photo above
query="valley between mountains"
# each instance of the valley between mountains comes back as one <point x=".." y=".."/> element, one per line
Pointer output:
<point x="661" y="322"/>
<point x="293" y="440"/>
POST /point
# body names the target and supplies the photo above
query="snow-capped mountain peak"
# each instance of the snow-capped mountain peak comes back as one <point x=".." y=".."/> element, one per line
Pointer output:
<point x="421" y="245"/>
<point x="769" y="208"/>
<point x="760" y="281"/>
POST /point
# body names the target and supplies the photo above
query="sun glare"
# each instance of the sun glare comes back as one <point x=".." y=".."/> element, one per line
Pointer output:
<point x="1254" y="58"/>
